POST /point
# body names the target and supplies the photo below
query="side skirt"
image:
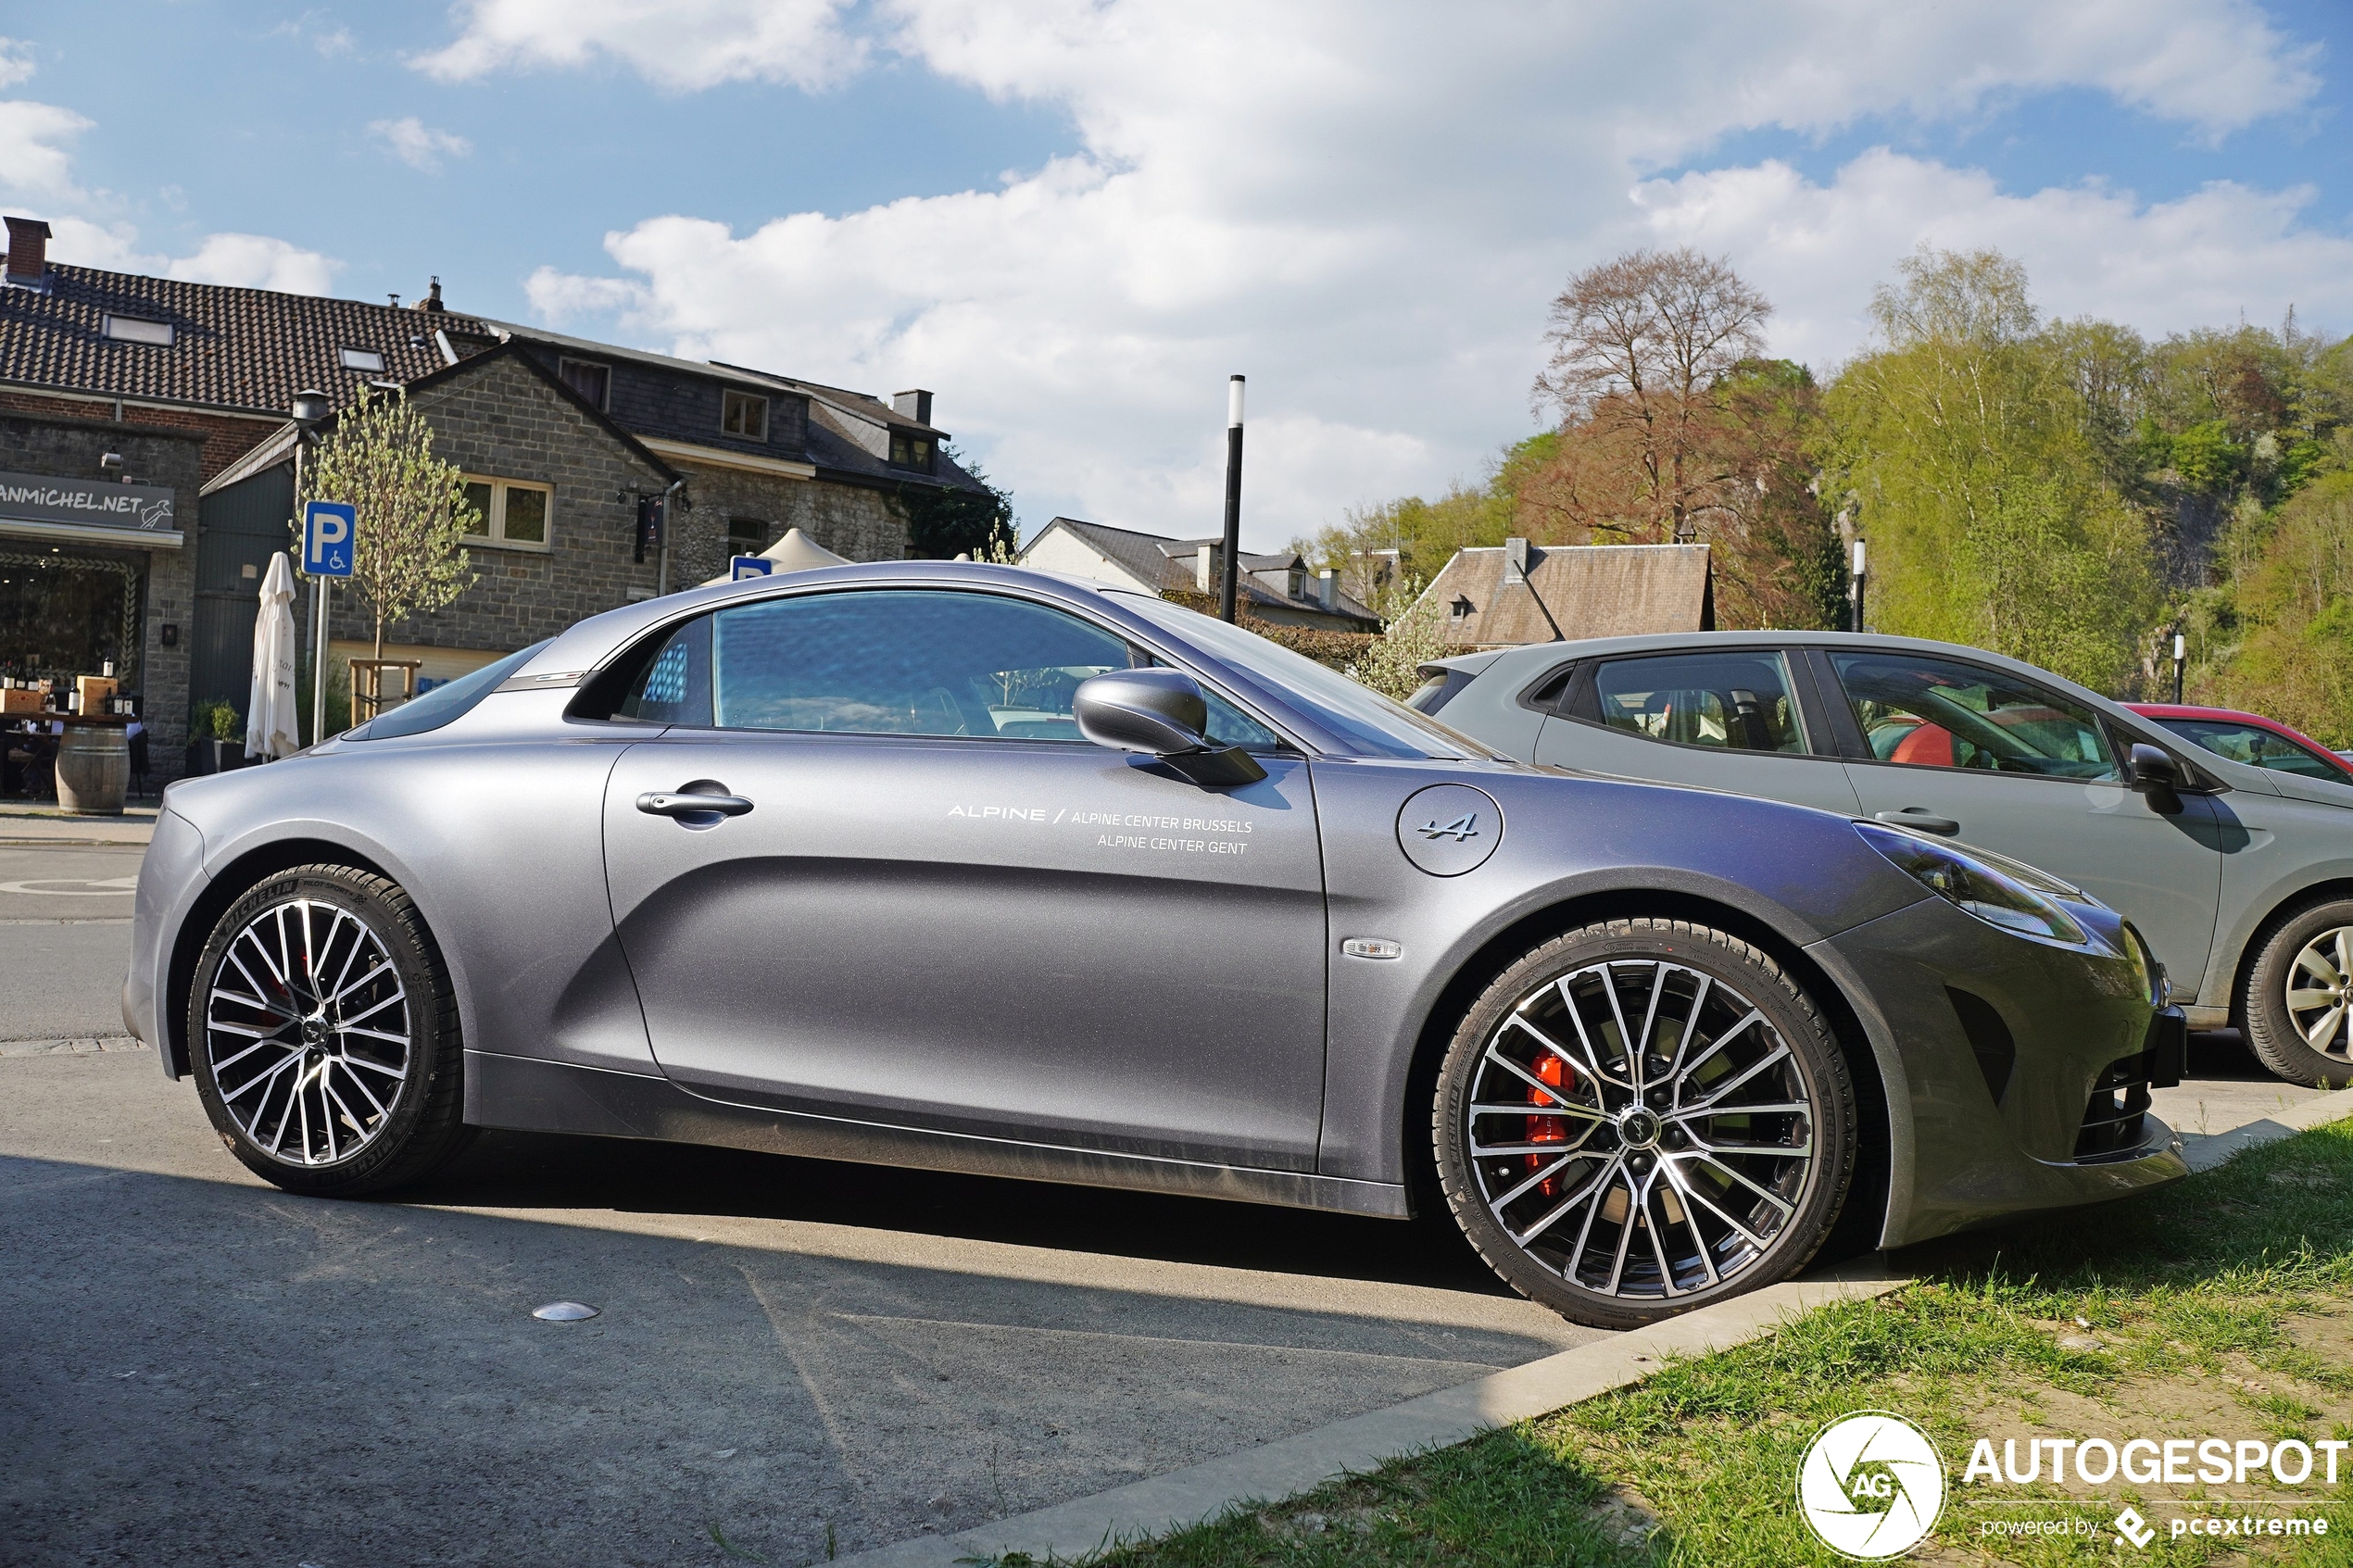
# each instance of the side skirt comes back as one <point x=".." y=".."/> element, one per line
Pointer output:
<point x="527" y="1094"/>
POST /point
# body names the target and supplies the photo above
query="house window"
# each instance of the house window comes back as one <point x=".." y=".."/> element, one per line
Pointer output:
<point x="366" y="359"/>
<point x="592" y="382"/>
<point x="910" y="451"/>
<point x="746" y="536"/>
<point x="130" y="329"/>
<point x="742" y="414"/>
<point x="1461" y="608"/>
<point x="511" y="511"/>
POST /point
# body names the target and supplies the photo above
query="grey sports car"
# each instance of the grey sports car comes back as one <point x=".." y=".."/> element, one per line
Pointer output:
<point x="978" y="869"/>
<point x="2241" y="876"/>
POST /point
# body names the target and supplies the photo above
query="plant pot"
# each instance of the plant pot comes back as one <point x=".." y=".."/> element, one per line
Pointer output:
<point x="209" y="756"/>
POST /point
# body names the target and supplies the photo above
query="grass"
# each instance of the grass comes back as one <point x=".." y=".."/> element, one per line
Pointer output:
<point x="2224" y="1299"/>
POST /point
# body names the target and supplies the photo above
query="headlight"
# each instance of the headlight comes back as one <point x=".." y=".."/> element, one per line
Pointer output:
<point x="1973" y="886"/>
<point x="2145" y="965"/>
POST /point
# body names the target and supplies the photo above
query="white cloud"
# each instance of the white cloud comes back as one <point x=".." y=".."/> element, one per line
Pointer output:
<point x="253" y="261"/>
<point x="1365" y="209"/>
<point x="321" y="31"/>
<point x="680" y="45"/>
<point x="418" y="145"/>
<point x="34" y="163"/>
<point x="16" y="61"/>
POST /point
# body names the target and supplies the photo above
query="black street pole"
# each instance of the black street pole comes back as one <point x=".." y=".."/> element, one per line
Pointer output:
<point x="1858" y="585"/>
<point x="1226" y="581"/>
<point x="2181" y="652"/>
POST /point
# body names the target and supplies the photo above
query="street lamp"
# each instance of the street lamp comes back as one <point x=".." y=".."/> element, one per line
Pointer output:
<point x="312" y="405"/>
<point x="1227" y="584"/>
<point x="1858" y="585"/>
<point x="2181" y="653"/>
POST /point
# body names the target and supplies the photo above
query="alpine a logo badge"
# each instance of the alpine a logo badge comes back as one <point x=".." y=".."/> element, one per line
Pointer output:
<point x="1449" y="829"/>
<point x="1871" y="1485"/>
<point x="1461" y="829"/>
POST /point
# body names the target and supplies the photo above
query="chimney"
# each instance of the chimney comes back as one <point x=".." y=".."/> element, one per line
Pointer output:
<point x="1327" y="588"/>
<point x="432" y="301"/>
<point x="1204" y="568"/>
<point x="27" y="250"/>
<point x="1515" y="563"/>
<point x="915" y="405"/>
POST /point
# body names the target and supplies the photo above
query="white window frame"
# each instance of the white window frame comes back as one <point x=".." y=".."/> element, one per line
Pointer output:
<point x="495" y="525"/>
<point x="115" y="325"/>
<point x="370" y="360"/>
<point x="732" y="392"/>
<point x="564" y="364"/>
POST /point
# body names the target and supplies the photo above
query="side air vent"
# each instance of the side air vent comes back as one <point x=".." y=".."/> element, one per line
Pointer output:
<point x="1989" y="1040"/>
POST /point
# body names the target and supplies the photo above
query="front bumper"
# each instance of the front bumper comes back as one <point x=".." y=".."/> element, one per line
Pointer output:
<point x="2020" y="1072"/>
<point x="170" y="876"/>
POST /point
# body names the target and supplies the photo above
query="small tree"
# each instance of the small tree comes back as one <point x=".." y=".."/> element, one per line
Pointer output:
<point x="410" y="556"/>
<point x="1416" y="632"/>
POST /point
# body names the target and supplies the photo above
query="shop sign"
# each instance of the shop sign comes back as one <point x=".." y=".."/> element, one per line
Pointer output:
<point x="133" y="509"/>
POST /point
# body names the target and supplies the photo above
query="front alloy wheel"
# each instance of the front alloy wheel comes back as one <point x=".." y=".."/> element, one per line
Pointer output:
<point x="2296" y="1007"/>
<point x="324" y="1034"/>
<point x="1643" y="1116"/>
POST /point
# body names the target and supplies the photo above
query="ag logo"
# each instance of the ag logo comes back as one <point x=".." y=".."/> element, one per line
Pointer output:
<point x="1872" y="1485"/>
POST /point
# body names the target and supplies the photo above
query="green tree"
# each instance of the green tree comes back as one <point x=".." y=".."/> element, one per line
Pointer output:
<point x="943" y="523"/>
<point x="1968" y="441"/>
<point x="2289" y="614"/>
<point x="408" y="554"/>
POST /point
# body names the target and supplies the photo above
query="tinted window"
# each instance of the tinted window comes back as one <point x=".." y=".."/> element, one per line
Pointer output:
<point x="2256" y="747"/>
<point x="1937" y="713"/>
<point x="444" y="703"/>
<point x="1739" y="701"/>
<point x="674" y="687"/>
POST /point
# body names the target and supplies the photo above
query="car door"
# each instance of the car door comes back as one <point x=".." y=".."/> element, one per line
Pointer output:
<point x="1731" y="719"/>
<point x="927" y="902"/>
<point x="1995" y="759"/>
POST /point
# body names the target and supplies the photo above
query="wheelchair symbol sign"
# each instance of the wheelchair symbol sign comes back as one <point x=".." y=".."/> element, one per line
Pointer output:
<point x="327" y="531"/>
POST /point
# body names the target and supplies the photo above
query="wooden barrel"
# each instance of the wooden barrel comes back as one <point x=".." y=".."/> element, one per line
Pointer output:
<point x="93" y="769"/>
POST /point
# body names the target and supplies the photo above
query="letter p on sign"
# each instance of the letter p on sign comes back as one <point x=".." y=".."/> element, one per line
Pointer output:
<point x="327" y="531"/>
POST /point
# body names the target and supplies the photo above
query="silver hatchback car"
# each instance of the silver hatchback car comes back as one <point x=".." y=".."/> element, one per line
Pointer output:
<point x="2241" y="877"/>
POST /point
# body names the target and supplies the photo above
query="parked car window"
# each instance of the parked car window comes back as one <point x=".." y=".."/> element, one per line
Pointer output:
<point x="1739" y="701"/>
<point x="446" y="703"/>
<point x="2257" y="746"/>
<point x="674" y="686"/>
<point x="1938" y="713"/>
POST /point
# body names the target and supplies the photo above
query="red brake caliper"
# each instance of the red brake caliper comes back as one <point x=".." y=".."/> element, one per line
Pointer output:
<point x="1555" y="1073"/>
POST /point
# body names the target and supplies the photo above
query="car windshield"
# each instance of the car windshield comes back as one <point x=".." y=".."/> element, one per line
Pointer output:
<point x="446" y="703"/>
<point x="2258" y="747"/>
<point x="1383" y="728"/>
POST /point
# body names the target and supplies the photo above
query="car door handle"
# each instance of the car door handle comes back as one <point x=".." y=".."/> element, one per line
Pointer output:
<point x="1921" y="817"/>
<point x="654" y="803"/>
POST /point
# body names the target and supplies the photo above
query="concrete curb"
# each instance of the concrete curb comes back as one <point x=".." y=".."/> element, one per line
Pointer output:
<point x="1294" y="1464"/>
<point x="1291" y="1465"/>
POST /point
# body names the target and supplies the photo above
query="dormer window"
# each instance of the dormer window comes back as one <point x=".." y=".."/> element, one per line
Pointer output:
<point x="592" y="381"/>
<point x="366" y="360"/>
<point x="130" y="329"/>
<point x="747" y="416"/>
<point x="1462" y="608"/>
<point x="910" y="451"/>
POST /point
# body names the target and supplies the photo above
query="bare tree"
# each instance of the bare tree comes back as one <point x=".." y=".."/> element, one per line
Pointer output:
<point x="1638" y="345"/>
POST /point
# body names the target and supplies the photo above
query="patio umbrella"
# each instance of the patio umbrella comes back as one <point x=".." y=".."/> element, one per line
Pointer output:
<point x="795" y="552"/>
<point x="271" y="728"/>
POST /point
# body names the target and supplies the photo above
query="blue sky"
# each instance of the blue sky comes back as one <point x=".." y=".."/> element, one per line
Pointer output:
<point x="1073" y="220"/>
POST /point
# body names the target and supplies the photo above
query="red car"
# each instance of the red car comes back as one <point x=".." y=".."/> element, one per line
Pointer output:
<point x="2249" y="738"/>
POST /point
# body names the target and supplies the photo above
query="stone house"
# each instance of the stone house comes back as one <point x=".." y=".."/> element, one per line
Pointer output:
<point x="1503" y="596"/>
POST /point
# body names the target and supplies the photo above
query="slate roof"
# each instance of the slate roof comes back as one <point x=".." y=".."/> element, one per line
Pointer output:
<point x="245" y="350"/>
<point x="1592" y="591"/>
<point x="1163" y="563"/>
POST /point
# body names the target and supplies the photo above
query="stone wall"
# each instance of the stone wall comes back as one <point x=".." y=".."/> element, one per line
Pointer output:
<point x="849" y="520"/>
<point x="503" y="421"/>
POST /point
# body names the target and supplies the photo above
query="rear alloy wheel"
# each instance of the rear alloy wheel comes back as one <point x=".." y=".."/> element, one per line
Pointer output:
<point x="324" y="1035"/>
<point x="1642" y="1117"/>
<point x="2297" y="1005"/>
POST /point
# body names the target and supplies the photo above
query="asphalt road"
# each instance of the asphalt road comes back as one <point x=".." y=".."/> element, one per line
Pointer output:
<point x="792" y="1358"/>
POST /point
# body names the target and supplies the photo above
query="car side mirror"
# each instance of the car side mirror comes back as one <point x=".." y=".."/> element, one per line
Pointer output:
<point x="2154" y="773"/>
<point x="1160" y="713"/>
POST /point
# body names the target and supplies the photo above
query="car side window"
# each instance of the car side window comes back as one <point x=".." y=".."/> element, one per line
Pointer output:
<point x="1738" y="700"/>
<point x="674" y="686"/>
<point x="2256" y="747"/>
<point x="1938" y="714"/>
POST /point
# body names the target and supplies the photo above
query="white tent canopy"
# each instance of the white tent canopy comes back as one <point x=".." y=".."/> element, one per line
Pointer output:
<point x="795" y="552"/>
<point x="272" y="727"/>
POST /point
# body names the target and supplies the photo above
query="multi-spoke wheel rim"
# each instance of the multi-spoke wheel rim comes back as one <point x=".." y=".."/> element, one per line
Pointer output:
<point x="2316" y="993"/>
<point x="1651" y="1171"/>
<point x="306" y="1032"/>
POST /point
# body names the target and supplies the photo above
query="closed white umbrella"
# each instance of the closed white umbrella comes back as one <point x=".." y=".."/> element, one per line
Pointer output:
<point x="795" y="552"/>
<point x="271" y="726"/>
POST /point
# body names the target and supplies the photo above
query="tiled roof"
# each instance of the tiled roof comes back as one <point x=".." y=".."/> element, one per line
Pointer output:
<point x="1591" y="591"/>
<point x="249" y="350"/>
<point x="1167" y="564"/>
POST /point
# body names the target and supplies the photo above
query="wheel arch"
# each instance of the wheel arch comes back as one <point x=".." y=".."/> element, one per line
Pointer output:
<point x="1861" y="1222"/>
<point x="2284" y="908"/>
<point x="228" y="884"/>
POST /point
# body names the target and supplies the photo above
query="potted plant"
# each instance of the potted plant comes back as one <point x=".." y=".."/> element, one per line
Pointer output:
<point x="217" y="739"/>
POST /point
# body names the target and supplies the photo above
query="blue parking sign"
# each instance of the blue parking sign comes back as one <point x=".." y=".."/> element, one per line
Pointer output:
<point x="327" y="531"/>
<point x="741" y="567"/>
